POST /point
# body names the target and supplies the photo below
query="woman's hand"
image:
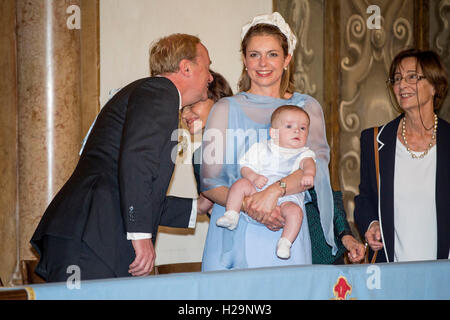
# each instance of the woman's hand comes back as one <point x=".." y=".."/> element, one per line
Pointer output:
<point x="274" y="221"/>
<point x="204" y="205"/>
<point x="373" y="236"/>
<point x="356" y="249"/>
<point x="262" y="207"/>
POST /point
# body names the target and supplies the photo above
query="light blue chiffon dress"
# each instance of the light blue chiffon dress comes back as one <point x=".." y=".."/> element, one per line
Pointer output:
<point x="235" y="123"/>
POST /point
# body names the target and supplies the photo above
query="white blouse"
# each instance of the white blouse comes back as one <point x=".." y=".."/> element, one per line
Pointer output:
<point x="415" y="225"/>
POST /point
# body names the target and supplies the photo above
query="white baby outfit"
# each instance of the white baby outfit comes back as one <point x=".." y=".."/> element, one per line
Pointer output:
<point x="274" y="162"/>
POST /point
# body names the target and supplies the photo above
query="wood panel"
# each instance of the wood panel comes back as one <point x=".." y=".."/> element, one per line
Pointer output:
<point x="8" y="141"/>
<point x="90" y="63"/>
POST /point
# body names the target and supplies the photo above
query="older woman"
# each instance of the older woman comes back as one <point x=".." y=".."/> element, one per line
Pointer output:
<point x="195" y="116"/>
<point x="408" y="218"/>
<point x="236" y="123"/>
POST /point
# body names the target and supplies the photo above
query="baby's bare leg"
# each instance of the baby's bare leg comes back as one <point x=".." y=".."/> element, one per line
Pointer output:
<point x="293" y="215"/>
<point x="238" y="191"/>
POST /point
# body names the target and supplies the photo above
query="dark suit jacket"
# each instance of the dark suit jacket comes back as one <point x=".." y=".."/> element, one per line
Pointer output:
<point x="121" y="179"/>
<point x="366" y="203"/>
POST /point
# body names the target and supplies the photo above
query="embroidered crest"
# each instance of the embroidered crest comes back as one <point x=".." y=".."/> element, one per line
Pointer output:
<point x="342" y="288"/>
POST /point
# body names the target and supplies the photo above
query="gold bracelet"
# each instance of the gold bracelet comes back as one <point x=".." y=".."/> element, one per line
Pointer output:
<point x="283" y="185"/>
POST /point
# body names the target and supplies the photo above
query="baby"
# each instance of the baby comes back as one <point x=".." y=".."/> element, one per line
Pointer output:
<point x="269" y="162"/>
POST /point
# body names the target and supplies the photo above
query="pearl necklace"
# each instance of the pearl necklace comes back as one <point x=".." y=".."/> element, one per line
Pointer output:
<point x="430" y="145"/>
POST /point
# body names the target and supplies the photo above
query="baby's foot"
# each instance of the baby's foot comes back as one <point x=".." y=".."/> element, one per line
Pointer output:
<point x="284" y="248"/>
<point x="229" y="220"/>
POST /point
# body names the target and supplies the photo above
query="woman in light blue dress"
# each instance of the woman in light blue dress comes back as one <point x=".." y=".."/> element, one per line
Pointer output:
<point x="234" y="124"/>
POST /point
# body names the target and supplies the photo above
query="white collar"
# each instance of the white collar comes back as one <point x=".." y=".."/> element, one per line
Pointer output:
<point x="179" y="94"/>
<point x="286" y="152"/>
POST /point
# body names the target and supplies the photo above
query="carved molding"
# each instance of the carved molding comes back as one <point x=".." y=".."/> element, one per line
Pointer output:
<point x="356" y="65"/>
<point x="298" y="14"/>
<point x="366" y="57"/>
<point x="442" y="41"/>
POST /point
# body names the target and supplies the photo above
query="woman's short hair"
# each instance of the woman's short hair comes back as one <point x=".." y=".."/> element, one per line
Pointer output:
<point x="219" y="87"/>
<point x="287" y="80"/>
<point x="432" y="69"/>
<point x="167" y="53"/>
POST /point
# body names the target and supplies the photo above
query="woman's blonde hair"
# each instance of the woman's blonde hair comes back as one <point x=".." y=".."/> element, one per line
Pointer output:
<point x="287" y="84"/>
<point x="167" y="53"/>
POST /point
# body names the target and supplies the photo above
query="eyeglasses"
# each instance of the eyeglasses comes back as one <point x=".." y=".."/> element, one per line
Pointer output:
<point x="411" y="78"/>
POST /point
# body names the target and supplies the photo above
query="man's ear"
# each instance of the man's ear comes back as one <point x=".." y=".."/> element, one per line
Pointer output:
<point x="185" y="67"/>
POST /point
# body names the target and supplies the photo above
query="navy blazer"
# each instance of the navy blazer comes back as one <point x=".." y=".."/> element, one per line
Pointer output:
<point x="121" y="179"/>
<point x="366" y="203"/>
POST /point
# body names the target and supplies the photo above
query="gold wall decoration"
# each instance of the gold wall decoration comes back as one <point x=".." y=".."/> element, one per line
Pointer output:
<point x="306" y="21"/>
<point x="440" y="41"/>
<point x="354" y="66"/>
<point x="300" y="16"/>
<point x="366" y="56"/>
<point x="442" y="38"/>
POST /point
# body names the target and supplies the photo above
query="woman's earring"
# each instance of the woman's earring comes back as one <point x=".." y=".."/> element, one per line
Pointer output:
<point x="285" y="68"/>
<point x="246" y="69"/>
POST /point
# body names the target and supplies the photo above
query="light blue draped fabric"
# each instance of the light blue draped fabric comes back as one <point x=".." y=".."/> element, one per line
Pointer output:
<point x="240" y="121"/>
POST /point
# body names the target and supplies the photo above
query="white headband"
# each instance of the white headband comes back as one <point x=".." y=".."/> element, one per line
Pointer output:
<point x="277" y="20"/>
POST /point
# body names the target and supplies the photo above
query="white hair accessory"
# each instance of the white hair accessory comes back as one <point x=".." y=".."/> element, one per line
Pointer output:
<point x="277" y="20"/>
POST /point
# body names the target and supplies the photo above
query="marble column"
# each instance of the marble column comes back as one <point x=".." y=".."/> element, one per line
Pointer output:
<point x="49" y="119"/>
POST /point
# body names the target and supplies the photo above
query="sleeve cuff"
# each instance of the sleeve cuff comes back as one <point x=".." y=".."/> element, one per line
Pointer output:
<point x="371" y="224"/>
<point x="138" y="235"/>
<point x="345" y="233"/>
<point x="193" y="217"/>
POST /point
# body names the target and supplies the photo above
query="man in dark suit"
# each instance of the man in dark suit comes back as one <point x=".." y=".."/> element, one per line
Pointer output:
<point x="105" y="218"/>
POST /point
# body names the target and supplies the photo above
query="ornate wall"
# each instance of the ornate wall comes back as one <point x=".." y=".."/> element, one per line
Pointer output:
<point x="343" y="59"/>
<point x="310" y="50"/>
<point x="365" y="58"/>
<point x="439" y="40"/>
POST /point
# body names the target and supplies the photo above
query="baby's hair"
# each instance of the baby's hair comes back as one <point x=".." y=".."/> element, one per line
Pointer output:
<point x="287" y="107"/>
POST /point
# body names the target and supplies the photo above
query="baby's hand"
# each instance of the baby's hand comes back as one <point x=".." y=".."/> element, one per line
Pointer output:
<point x="260" y="181"/>
<point x="307" y="181"/>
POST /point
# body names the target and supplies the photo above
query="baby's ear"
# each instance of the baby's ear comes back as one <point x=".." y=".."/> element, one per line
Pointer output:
<point x="273" y="133"/>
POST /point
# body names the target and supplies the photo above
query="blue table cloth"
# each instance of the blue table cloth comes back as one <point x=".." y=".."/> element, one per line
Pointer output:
<point x="418" y="280"/>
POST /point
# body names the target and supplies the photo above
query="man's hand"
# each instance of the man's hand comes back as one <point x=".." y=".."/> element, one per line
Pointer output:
<point x="355" y="248"/>
<point x="145" y="257"/>
<point x="204" y="205"/>
<point x="373" y="236"/>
